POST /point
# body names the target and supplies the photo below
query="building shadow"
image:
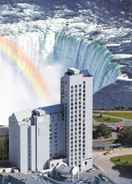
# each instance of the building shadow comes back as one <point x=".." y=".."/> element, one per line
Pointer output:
<point x="125" y="171"/>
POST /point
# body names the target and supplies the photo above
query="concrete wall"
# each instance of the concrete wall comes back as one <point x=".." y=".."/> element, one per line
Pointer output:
<point x="24" y="156"/>
<point x="32" y="147"/>
<point x="42" y="138"/>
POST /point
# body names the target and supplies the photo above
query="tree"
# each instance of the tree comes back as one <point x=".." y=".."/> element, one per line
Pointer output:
<point x="3" y="148"/>
<point x="125" y="136"/>
<point x="102" y="130"/>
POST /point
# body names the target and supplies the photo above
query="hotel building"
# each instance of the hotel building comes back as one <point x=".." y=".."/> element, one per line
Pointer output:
<point x="58" y="131"/>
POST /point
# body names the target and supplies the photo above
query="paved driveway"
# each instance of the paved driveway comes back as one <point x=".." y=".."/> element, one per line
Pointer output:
<point x="105" y="165"/>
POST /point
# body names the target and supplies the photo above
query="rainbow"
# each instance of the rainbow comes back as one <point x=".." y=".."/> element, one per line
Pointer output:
<point x="25" y="65"/>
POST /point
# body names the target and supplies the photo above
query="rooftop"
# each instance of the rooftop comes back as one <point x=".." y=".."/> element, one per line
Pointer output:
<point x="75" y="71"/>
<point x="72" y="71"/>
<point x="49" y="109"/>
<point x="22" y="116"/>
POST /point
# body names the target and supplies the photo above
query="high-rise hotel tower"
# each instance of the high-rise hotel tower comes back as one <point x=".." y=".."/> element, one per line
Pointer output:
<point x="76" y="96"/>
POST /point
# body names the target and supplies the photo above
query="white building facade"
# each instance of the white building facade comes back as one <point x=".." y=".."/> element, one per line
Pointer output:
<point x="76" y="96"/>
<point x="34" y="138"/>
<point x="61" y="131"/>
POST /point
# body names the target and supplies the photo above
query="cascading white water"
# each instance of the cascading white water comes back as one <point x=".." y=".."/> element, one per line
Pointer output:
<point x="52" y="53"/>
<point x="77" y="52"/>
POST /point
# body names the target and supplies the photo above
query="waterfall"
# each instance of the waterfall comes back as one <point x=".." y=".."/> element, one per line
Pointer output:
<point x="73" y="51"/>
<point x="51" y="52"/>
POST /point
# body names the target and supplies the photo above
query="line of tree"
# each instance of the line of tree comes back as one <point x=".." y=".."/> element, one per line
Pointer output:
<point x="125" y="136"/>
<point x="4" y="150"/>
<point x="102" y="130"/>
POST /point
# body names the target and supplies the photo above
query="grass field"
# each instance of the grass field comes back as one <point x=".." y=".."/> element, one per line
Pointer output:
<point x="121" y="114"/>
<point x="122" y="160"/>
<point x="105" y="119"/>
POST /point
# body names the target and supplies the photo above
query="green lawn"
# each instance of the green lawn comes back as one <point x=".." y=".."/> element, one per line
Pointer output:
<point x="123" y="114"/>
<point x="122" y="160"/>
<point x="105" y="119"/>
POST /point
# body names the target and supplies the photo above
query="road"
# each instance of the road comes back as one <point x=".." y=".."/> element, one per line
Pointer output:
<point x="105" y="165"/>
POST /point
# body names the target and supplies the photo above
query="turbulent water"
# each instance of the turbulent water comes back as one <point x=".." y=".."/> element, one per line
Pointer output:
<point x="90" y="35"/>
